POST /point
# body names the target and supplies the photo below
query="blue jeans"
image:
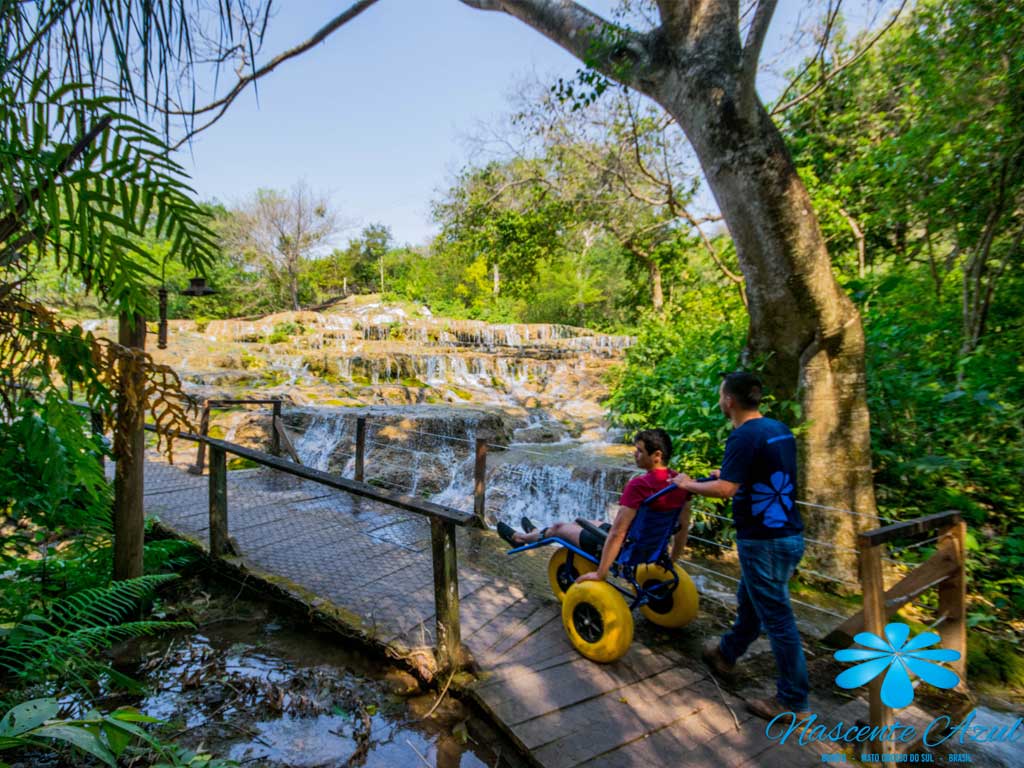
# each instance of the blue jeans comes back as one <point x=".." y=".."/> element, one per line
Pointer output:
<point x="766" y="566"/>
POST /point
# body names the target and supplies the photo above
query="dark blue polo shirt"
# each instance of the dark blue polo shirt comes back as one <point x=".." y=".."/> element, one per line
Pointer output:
<point x="760" y="455"/>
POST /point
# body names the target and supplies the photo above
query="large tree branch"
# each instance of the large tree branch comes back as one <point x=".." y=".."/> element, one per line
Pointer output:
<point x="614" y="51"/>
<point x="220" y="105"/>
<point x="751" y="55"/>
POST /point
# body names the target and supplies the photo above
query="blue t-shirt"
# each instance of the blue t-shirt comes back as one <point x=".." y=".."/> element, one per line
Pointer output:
<point x="760" y="455"/>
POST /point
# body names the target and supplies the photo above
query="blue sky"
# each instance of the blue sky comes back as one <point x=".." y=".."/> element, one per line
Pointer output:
<point x="377" y="115"/>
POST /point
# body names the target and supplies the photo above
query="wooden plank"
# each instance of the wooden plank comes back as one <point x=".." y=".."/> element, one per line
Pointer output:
<point x="906" y="528"/>
<point x="285" y="441"/>
<point x="642" y="706"/>
<point x="953" y="600"/>
<point x="874" y="622"/>
<point x="525" y="697"/>
<point x="942" y="565"/>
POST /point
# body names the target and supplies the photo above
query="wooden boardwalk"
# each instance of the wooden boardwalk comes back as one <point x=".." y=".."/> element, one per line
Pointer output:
<point x="369" y="566"/>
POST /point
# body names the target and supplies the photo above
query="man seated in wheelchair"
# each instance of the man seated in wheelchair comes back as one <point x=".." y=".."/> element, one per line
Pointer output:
<point x="652" y="451"/>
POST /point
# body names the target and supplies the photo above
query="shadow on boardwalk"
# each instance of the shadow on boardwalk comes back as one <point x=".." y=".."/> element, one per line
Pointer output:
<point x="368" y="566"/>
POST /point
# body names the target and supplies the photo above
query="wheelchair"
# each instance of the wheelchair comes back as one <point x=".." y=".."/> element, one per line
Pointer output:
<point x="598" y="615"/>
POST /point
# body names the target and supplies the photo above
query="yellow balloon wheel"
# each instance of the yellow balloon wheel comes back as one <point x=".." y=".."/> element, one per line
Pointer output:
<point x="674" y="609"/>
<point x="562" y="573"/>
<point x="597" y="621"/>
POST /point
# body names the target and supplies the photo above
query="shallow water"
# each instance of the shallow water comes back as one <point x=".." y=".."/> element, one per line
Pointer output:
<point x="266" y="692"/>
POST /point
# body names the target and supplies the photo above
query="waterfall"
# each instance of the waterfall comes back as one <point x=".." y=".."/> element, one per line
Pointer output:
<point x="545" y="493"/>
<point x="325" y="433"/>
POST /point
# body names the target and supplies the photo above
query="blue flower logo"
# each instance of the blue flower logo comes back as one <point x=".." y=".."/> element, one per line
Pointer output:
<point x="898" y="659"/>
<point x="773" y="500"/>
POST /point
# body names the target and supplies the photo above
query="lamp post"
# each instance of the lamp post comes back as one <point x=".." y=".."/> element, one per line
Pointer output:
<point x="196" y="287"/>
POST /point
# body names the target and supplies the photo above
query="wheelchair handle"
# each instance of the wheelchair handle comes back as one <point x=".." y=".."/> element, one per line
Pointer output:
<point x="670" y="486"/>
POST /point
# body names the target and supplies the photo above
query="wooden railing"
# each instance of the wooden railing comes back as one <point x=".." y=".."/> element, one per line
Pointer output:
<point x="443" y="521"/>
<point x="279" y="437"/>
<point x="944" y="570"/>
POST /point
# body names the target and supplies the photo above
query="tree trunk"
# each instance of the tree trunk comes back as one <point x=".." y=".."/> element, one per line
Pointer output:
<point x="801" y="321"/>
<point x="129" y="453"/>
<point x="657" y="296"/>
<point x="654" y="277"/>
<point x="699" y="69"/>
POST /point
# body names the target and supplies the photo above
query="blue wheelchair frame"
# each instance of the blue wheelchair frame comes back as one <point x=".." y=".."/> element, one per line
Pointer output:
<point x="646" y="542"/>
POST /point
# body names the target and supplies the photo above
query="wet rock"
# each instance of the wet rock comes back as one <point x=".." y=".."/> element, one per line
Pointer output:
<point x="450" y="709"/>
<point x="401" y="683"/>
<point x="549" y="433"/>
<point x="213" y="695"/>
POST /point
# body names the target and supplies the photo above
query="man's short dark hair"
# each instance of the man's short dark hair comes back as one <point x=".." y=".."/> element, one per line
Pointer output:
<point x="745" y="387"/>
<point x="656" y="440"/>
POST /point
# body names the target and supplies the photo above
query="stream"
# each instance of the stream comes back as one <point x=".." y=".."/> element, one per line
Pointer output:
<point x="259" y="687"/>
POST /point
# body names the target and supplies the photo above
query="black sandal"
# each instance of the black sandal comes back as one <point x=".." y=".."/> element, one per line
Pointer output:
<point x="507" y="532"/>
<point x="527" y="525"/>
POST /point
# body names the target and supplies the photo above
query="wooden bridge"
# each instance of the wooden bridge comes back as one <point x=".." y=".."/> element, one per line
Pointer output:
<point x="384" y="566"/>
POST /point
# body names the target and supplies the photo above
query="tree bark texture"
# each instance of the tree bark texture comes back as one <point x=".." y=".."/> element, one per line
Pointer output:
<point x="129" y="453"/>
<point x="697" y="67"/>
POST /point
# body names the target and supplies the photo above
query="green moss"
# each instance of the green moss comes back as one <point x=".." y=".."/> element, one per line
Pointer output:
<point x="362" y="381"/>
<point x="239" y="463"/>
<point x="217" y="432"/>
<point x="460" y="393"/>
<point x="252" y="362"/>
<point x="995" y="660"/>
<point x="410" y="382"/>
<point x="273" y="378"/>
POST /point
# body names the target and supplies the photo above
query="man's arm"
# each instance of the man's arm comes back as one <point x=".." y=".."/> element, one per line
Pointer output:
<point x="613" y="544"/>
<point x="716" y="489"/>
<point x="679" y="541"/>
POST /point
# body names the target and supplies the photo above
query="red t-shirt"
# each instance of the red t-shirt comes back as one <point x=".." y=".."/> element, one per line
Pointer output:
<point x="639" y="488"/>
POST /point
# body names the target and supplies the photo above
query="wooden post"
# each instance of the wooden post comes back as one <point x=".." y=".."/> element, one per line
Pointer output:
<point x="874" y="621"/>
<point x="204" y="428"/>
<point x="275" y="434"/>
<point x="218" y="502"/>
<point x="480" y="481"/>
<point x="953" y="601"/>
<point x="448" y="649"/>
<point x="360" y="446"/>
<point x="129" y="452"/>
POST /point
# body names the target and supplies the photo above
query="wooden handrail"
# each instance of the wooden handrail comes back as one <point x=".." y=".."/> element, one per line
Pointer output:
<point x="943" y="570"/>
<point x="914" y="527"/>
<point x="402" y="501"/>
<point x="448" y="650"/>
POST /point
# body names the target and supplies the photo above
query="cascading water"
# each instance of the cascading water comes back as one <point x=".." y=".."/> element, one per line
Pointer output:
<point x="415" y="375"/>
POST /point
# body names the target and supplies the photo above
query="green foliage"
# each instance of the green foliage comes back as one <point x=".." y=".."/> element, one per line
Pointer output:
<point x="49" y="473"/>
<point x="60" y="647"/>
<point x="947" y="430"/>
<point x="920" y="146"/>
<point x="671" y="379"/>
<point x="109" y="738"/>
<point x="283" y="332"/>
